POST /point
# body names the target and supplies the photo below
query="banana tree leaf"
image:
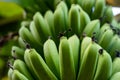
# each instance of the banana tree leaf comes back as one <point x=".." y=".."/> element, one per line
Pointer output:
<point x="10" y="12"/>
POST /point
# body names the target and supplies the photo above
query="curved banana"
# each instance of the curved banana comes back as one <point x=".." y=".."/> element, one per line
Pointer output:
<point x="21" y="42"/>
<point x="17" y="52"/>
<point x="16" y="75"/>
<point x="52" y="56"/>
<point x="42" y="26"/>
<point x="38" y="66"/>
<point x="88" y="62"/>
<point x="10" y="72"/>
<point x="22" y="68"/>
<point x="74" y="43"/>
<point x="99" y="9"/>
<point x="104" y="66"/>
<point x="74" y="19"/>
<point x="67" y="68"/>
<point x="92" y="27"/>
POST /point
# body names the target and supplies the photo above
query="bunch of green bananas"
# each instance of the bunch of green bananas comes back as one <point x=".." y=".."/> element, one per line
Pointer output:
<point x="71" y="43"/>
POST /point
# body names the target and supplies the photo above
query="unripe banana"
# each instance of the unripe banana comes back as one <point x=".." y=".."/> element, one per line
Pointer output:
<point x="42" y="26"/>
<point x="16" y="75"/>
<point x="99" y="9"/>
<point x="17" y="52"/>
<point x="52" y="56"/>
<point x="74" y="43"/>
<point x="10" y="72"/>
<point x="22" y="68"/>
<point x="21" y="43"/>
<point x="116" y="64"/>
<point x="104" y="66"/>
<point x="87" y="5"/>
<point x="74" y="19"/>
<point x="92" y="27"/>
<point x="67" y="69"/>
<point x="116" y="76"/>
<point x="105" y="39"/>
<point x="89" y="62"/>
<point x="38" y="66"/>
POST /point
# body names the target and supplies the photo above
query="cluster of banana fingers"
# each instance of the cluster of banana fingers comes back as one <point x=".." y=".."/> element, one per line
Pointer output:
<point x="71" y="43"/>
<point x="71" y="60"/>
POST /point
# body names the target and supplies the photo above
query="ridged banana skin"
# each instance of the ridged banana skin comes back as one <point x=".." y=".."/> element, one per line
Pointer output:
<point x="42" y="26"/>
<point x="52" y="56"/>
<point x="92" y="27"/>
<point x="88" y="5"/>
<point x="116" y="76"/>
<point x="99" y="9"/>
<point x="18" y="76"/>
<point x="22" y="68"/>
<point x="84" y="44"/>
<point x="105" y="39"/>
<point x="84" y="20"/>
<point x="74" y="19"/>
<point x="67" y="70"/>
<point x="64" y="7"/>
<point x="35" y="33"/>
<point x="38" y="65"/>
<point x="104" y="66"/>
<point x="89" y="62"/>
<point x="115" y="65"/>
<point x="17" y="52"/>
<point x="59" y="21"/>
<point x="74" y="43"/>
<point x="10" y="72"/>
<point x="49" y="17"/>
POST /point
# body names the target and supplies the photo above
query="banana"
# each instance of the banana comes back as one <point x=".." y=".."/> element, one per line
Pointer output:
<point x="38" y="66"/>
<point x="74" y="19"/>
<point x="68" y="2"/>
<point x="88" y="5"/>
<point x="104" y="66"/>
<point x="35" y="33"/>
<point x="89" y="62"/>
<point x="49" y="17"/>
<point x="42" y="26"/>
<point x="21" y="42"/>
<point x="22" y="68"/>
<point x="84" y="20"/>
<point x="67" y="68"/>
<point x="17" y="52"/>
<point x="115" y="64"/>
<point x="105" y="39"/>
<point x="98" y="9"/>
<point x="74" y="43"/>
<point x="52" y="56"/>
<point x="116" y="76"/>
<point x="16" y="75"/>
<point x="10" y="72"/>
<point x="92" y="27"/>
<point x="108" y="15"/>
<point x="59" y="22"/>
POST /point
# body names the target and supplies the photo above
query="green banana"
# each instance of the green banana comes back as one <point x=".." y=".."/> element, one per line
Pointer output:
<point x="22" y="68"/>
<point x="115" y="64"/>
<point x="116" y="76"/>
<point x="16" y="75"/>
<point x="74" y="19"/>
<point x="74" y="43"/>
<point x="67" y="68"/>
<point x="52" y="56"/>
<point x="42" y="26"/>
<point x="104" y="66"/>
<point x="105" y="39"/>
<point x="98" y="9"/>
<point x="38" y="66"/>
<point x="21" y="42"/>
<point x="92" y="27"/>
<point x="49" y="17"/>
<point x="10" y="72"/>
<point x="88" y="62"/>
<point x="18" y="52"/>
